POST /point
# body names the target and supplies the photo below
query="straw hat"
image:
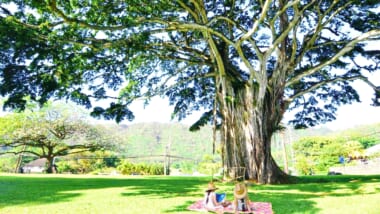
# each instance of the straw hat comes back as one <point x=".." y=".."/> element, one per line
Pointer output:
<point x="211" y="187"/>
<point x="240" y="191"/>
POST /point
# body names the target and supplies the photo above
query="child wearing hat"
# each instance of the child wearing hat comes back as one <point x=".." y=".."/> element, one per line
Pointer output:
<point x="241" y="200"/>
<point x="210" y="199"/>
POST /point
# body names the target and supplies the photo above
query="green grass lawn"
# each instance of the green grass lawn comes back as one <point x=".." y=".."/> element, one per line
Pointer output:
<point x="94" y="194"/>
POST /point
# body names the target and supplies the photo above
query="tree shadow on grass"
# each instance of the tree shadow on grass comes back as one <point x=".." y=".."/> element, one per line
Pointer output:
<point x="165" y="188"/>
<point x="281" y="203"/>
<point x="21" y="190"/>
<point x="299" y="198"/>
<point x="293" y="198"/>
<point x="181" y="208"/>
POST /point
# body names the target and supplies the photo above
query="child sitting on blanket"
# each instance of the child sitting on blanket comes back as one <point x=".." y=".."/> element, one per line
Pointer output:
<point x="241" y="200"/>
<point x="214" y="201"/>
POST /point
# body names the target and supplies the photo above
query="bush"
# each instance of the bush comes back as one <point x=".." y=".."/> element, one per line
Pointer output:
<point x="87" y="162"/>
<point x="209" y="165"/>
<point x="68" y="167"/>
<point x="320" y="153"/>
<point x="128" y="168"/>
<point x="7" y="164"/>
<point x="317" y="153"/>
<point x="304" y="166"/>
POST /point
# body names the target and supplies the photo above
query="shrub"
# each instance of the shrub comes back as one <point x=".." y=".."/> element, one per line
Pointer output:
<point x="7" y="164"/>
<point x="304" y="166"/>
<point x="128" y="168"/>
<point x="209" y="165"/>
<point x="317" y="153"/>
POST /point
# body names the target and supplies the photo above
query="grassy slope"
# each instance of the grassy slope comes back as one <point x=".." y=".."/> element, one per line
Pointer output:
<point x="85" y="194"/>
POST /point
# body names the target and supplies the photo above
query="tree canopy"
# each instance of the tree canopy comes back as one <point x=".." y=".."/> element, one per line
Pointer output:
<point x="48" y="135"/>
<point x="245" y="63"/>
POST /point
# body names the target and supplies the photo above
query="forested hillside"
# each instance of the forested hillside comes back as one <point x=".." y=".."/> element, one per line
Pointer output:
<point x="146" y="141"/>
<point x="155" y="139"/>
<point x="153" y="142"/>
<point x="352" y="134"/>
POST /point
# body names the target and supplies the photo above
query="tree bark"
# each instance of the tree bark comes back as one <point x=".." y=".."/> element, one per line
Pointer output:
<point x="50" y="167"/>
<point x="248" y="125"/>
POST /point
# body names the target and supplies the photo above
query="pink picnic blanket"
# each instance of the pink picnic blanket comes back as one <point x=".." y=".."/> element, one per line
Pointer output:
<point x="256" y="207"/>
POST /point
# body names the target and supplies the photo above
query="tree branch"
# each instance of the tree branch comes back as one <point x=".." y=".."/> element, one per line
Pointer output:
<point x="188" y="9"/>
<point x="256" y="23"/>
<point x="285" y="33"/>
<point x="322" y="83"/>
<point x="350" y="45"/>
<point x="53" y="7"/>
<point x="310" y="37"/>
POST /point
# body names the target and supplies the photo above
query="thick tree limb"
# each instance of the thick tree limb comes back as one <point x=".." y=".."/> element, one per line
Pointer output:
<point x="347" y="48"/>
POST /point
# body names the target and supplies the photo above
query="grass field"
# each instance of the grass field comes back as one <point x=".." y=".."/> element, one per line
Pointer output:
<point x="94" y="194"/>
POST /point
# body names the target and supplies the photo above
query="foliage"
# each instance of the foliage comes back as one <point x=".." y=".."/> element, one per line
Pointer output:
<point x="368" y="135"/>
<point x="317" y="153"/>
<point x="120" y="39"/>
<point x="323" y="152"/>
<point x="210" y="165"/>
<point x="154" y="139"/>
<point x="304" y="166"/>
<point x="128" y="168"/>
<point x="149" y="142"/>
<point x="244" y="63"/>
<point x="8" y="164"/>
<point x="49" y="134"/>
<point x="353" y="149"/>
<point x="87" y="162"/>
<point x="187" y="167"/>
<point x="140" y="140"/>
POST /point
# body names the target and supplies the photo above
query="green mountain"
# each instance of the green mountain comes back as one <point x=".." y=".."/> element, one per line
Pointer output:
<point x="152" y="141"/>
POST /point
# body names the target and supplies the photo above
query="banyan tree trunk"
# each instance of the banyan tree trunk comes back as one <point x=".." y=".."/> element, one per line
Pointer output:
<point x="246" y="136"/>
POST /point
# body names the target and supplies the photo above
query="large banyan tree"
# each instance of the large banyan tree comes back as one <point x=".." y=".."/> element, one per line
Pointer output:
<point x="244" y="63"/>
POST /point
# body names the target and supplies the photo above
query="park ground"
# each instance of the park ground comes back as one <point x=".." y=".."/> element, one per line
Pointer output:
<point x="173" y="194"/>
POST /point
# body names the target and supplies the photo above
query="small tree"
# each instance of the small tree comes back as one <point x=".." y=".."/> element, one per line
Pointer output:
<point x="48" y="136"/>
<point x="354" y="149"/>
<point x="303" y="165"/>
<point x="317" y="153"/>
<point x="209" y="165"/>
<point x="7" y="164"/>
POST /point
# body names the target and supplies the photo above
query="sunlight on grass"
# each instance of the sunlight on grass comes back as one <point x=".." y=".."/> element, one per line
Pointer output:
<point x="355" y="204"/>
<point x="66" y="194"/>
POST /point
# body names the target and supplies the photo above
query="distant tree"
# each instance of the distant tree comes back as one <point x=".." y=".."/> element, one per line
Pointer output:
<point x="48" y="136"/>
<point x="7" y="163"/>
<point x="244" y="62"/>
<point x="88" y="162"/>
<point x="367" y="135"/>
<point x="317" y="153"/>
<point x="209" y="165"/>
<point x="320" y="153"/>
<point x="354" y="149"/>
